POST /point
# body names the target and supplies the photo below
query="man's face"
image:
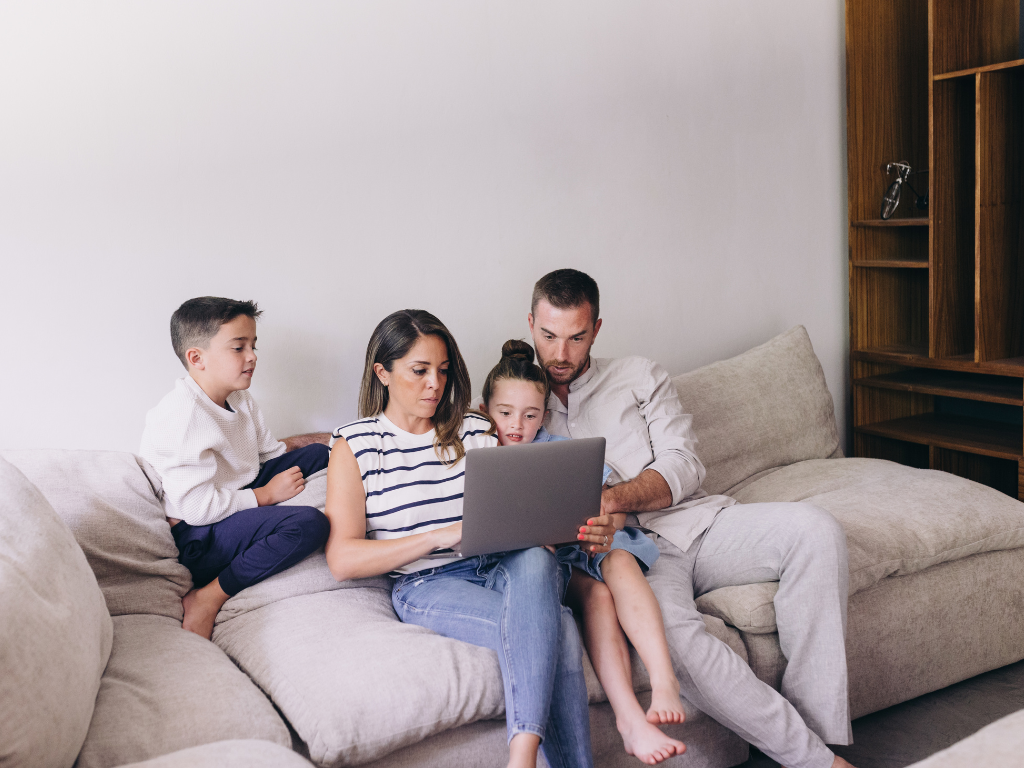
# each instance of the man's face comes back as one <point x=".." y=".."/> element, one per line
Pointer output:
<point x="563" y="338"/>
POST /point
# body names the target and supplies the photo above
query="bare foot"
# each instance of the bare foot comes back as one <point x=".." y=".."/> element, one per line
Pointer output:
<point x="665" y="707"/>
<point x="648" y="744"/>
<point x="840" y="763"/>
<point x="201" y="608"/>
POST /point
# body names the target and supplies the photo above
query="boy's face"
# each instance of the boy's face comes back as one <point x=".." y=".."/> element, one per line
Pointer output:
<point x="517" y="408"/>
<point x="228" y="362"/>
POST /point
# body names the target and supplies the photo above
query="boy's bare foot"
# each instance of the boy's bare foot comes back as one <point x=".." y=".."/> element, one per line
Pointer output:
<point x="648" y="744"/>
<point x="666" y="707"/>
<point x="201" y="608"/>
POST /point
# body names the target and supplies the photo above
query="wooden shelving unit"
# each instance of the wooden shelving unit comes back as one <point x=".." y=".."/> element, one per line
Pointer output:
<point x="937" y="297"/>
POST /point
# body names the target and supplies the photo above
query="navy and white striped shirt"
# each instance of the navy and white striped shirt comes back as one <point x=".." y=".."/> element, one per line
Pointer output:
<point x="408" y="489"/>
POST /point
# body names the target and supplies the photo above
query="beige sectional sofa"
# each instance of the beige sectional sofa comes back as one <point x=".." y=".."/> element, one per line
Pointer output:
<point x="94" y="665"/>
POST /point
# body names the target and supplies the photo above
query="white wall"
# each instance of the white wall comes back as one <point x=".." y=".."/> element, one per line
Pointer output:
<point x="338" y="161"/>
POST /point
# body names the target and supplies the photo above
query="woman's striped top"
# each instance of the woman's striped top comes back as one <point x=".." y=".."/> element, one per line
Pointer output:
<point x="408" y="489"/>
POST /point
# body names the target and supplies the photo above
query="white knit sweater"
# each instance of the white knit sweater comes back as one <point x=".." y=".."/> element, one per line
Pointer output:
<point x="206" y="454"/>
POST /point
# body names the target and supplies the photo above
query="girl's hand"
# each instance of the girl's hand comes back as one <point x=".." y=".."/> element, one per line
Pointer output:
<point x="448" y="537"/>
<point x="596" y="536"/>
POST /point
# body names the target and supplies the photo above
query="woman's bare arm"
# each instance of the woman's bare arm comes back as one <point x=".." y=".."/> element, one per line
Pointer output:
<point x="350" y="555"/>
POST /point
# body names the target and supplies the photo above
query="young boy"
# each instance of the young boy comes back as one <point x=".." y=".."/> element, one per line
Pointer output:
<point x="221" y="469"/>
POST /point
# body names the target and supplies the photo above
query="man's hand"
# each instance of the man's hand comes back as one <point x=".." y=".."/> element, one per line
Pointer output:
<point x="645" y="493"/>
<point x="282" y="487"/>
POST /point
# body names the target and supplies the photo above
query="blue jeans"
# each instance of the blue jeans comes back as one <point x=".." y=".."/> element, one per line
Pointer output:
<point x="509" y="602"/>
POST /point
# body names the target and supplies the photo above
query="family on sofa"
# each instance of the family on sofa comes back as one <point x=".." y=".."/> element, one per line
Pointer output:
<point x="394" y="501"/>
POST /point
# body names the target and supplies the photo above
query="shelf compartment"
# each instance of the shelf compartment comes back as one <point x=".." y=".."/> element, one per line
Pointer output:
<point x="887" y="90"/>
<point x="888" y="307"/>
<point x="999" y="270"/>
<point x="898" y="244"/>
<point x="958" y="433"/>
<point x="967" y="386"/>
<point x="893" y="264"/>
<point x="952" y="235"/>
<point x="1001" y="474"/>
<point x="976" y="70"/>
<point x="909" y="454"/>
<point x="974" y="33"/>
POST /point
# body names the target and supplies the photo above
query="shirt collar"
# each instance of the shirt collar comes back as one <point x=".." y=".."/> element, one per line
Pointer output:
<point x="585" y="377"/>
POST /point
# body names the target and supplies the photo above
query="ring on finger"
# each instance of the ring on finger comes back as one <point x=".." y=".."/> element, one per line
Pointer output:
<point x="606" y="539"/>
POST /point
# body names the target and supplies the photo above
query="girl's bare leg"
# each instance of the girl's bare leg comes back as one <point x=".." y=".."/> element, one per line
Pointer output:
<point x="640" y="616"/>
<point x="609" y="652"/>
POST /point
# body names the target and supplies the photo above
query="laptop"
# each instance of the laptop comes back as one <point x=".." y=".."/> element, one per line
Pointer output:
<point x="521" y="496"/>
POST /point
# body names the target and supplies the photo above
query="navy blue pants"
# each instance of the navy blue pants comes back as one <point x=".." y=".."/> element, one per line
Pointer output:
<point x="253" y="544"/>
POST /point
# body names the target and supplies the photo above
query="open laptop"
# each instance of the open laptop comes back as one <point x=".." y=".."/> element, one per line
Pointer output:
<point x="522" y="496"/>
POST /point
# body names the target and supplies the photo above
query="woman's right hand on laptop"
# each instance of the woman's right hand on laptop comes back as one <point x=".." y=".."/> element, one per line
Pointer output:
<point x="448" y="537"/>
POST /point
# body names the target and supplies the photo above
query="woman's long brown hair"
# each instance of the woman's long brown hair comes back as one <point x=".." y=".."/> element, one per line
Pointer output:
<point x="392" y="339"/>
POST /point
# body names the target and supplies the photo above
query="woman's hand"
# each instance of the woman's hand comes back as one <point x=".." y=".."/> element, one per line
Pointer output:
<point x="448" y="537"/>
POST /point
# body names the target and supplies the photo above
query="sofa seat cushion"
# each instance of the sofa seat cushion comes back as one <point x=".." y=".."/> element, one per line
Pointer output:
<point x="166" y="689"/>
<point x="109" y="501"/>
<point x="238" y="753"/>
<point x="55" y="632"/>
<point x="898" y="520"/>
<point x="767" y="408"/>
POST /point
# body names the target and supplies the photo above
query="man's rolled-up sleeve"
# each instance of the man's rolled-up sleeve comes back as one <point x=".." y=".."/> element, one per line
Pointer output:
<point x="672" y="439"/>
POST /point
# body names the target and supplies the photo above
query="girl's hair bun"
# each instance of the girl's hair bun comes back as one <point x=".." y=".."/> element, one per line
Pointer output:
<point x="517" y="350"/>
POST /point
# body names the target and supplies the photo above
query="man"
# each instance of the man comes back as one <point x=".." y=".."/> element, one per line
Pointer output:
<point x="706" y="542"/>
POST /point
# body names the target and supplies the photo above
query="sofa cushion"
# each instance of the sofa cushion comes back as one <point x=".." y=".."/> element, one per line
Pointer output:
<point x="748" y="607"/>
<point x="769" y="407"/>
<point x="898" y="519"/>
<point x="55" y="632"/>
<point x="109" y="500"/>
<point x="166" y="689"/>
<point x="376" y="684"/>
<point x="238" y="753"/>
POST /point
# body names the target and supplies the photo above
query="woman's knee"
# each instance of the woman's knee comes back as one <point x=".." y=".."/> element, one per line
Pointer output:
<point x="533" y="563"/>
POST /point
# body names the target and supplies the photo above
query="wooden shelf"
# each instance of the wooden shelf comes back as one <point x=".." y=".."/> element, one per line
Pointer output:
<point x="918" y="222"/>
<point x="958" y="433"/>
<point x="917" y="356"/>
<point x="975" y="70"/>
<point x="966" y="386"/>
<point x="892" y="263"/>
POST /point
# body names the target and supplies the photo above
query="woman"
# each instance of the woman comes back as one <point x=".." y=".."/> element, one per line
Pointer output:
<point x="394" y="499"/>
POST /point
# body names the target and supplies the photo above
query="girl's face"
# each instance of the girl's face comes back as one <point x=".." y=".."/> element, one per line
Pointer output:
<point x="517" y="407"/>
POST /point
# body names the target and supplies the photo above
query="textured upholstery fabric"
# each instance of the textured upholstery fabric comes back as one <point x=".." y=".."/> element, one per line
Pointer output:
<point x="909" y="635"/>
<point x="482" y="745"/>
<point x="766" y="408"/>
<point x="166" y="689"/>
<point x="999" y="745"/>
<point x="748" y="607"/>
<point x="239" y="753"/>
<point x="110" y="503"/>
<point x="48" y="596"/>
<point x="353" y="681"/>
<point x="898" y="520"/>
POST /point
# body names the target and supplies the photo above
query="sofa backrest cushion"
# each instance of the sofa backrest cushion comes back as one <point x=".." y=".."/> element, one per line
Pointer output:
<point x="109" y="501"/>
<point x="55" y="632"/>
<point x="767" y="408"/>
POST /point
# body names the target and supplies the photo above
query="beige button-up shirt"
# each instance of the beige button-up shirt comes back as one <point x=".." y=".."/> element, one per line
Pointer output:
<point x="633" y="405"/>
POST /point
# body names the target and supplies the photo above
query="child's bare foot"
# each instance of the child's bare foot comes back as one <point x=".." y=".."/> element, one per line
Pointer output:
<point x="648" y="744"/>
<point x="201" y="608"/>
<point x="666" y="707"/>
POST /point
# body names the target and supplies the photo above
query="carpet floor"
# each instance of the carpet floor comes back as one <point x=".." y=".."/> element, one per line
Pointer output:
<point x="915" y="729"/>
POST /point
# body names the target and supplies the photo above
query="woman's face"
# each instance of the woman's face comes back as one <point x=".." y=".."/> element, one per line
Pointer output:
<point x="517" y="407"/>
<point x="416" y="382"/>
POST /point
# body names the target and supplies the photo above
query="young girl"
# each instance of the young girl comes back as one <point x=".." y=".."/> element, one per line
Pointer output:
<point x="618" y="596"/>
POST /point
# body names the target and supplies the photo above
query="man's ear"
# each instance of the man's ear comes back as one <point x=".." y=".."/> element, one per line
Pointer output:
<point x="529" y="319"/>
<point x="597" y="327"/>
<point x="194" y="356"/>
<point x="382" y="373"/>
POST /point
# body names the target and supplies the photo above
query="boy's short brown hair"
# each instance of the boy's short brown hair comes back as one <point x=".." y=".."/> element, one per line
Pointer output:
<point x="197" y="321"/>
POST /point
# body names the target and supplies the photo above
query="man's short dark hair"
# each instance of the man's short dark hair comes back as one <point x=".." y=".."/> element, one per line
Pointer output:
<point x="197" y="321"/>
<point x="568" y="288"/>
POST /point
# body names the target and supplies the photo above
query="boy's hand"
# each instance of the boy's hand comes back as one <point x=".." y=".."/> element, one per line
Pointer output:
<point x="282" y="487"/>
